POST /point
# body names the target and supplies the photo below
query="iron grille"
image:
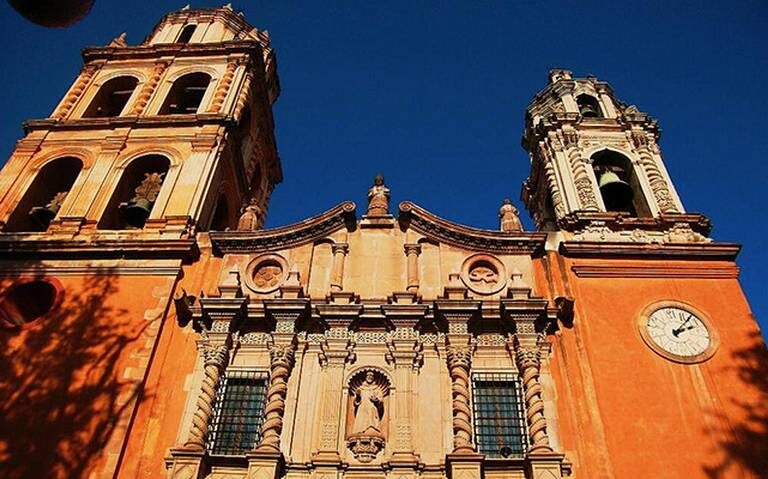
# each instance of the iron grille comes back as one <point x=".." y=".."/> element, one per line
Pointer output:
<point x="499" y="415"/>
<point x="238" y="413"/>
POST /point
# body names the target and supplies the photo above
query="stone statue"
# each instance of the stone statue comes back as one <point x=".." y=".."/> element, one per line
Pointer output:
<point x="250" y="217"/>
<point x="369" y="407"/>
<point x="378" y="198"/>
<point x="509" y="217"/>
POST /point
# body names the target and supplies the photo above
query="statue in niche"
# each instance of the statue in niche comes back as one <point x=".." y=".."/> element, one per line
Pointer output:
<point x="366" y="419"/>
<point x="378" y="198"/>
<point x="250" y="219"/>
<point x="509" y="217"/>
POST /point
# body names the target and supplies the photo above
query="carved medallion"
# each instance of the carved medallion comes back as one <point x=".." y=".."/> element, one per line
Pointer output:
<point x="484" y="274"/>
<point x="266" y="273"/>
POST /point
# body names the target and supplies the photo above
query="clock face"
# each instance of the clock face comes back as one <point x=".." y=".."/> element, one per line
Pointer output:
<point x="678" y="333"/>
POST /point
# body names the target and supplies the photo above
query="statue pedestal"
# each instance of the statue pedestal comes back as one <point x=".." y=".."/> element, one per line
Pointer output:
<point x="464" y="465"/>
<point x="548" y="464"/>
<point x="377" y="221"/>
<point x="264" y="464"/>
<point x="185" y="463"/>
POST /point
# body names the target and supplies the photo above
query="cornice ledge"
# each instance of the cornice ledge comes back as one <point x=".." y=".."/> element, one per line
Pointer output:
<point x="253" y="47"/>
<point x="674" y="251"/>
<point x="27" y="248"/>
<point x="296" y="234"/>
<point x="474" y="239"/>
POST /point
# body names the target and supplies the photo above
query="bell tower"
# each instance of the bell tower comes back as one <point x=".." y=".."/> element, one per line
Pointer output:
<point x="596" y="168"/>
<point x="158" y="140"/>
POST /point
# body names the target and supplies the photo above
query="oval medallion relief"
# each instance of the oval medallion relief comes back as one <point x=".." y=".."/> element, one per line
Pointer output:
<point x="265" y="273"/>
<point x="484" y="274"/>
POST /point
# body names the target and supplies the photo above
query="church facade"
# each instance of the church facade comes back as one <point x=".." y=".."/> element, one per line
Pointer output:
<point x="151" y="327"/>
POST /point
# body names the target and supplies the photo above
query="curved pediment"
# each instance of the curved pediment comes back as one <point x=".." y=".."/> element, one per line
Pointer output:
<point x="475" y="239"/>
<point x="302" y="232"/>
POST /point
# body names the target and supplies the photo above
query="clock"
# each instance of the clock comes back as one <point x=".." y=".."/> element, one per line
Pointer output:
<point x="678" y="332"/>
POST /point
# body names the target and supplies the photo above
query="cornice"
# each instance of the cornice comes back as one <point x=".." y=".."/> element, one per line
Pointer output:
<point x="21" y="248"/>
<point x="442" y="230"/>
<point x="664" y="270"/>
<point x="306" y="231"/>
<point x="154" y="121"/>
<point x="616" y="222"/>
<point x="178" y="50"/>
<point x="672" y="251"/>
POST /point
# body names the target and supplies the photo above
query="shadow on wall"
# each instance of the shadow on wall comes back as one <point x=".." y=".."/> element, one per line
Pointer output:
<point x="61" y="385"/>
<point x="745" y="447"/>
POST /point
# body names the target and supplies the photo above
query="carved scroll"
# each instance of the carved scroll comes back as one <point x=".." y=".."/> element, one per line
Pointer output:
<point x="281" y="363"/>
<point x="215" y="360"/>
<point x="459" y="363"/>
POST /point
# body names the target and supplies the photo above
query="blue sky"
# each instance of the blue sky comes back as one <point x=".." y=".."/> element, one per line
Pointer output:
<point x="432" y="94"/>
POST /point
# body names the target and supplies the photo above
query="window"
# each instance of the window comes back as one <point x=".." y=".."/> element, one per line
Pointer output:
<point x="499" y="414"/>
<point x="43" y="199"/>
<point x="111" y="97"/>
<point x="237" y="413"/>
<point x="588" y="106"/>
<point x="186" y="94"/>
<point x="186" y="34"/>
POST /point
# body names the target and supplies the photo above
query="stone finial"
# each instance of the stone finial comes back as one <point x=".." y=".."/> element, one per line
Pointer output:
<point x="185" y="7"/>
<point x="378" y="198"/>
<point x="119" y="41"/>
<point x="557" y="74"/>
<point x="509" y="217"/>
<point x="227" y="7"/>
<point x="250" y="217"/>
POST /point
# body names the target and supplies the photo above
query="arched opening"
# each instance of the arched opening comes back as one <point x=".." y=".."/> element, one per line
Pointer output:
<point x="41" y="202"/>
<point x="26" y="302"/>
<point x="186" y="34"/>
<point x="589" y="107"/>
<point x="186" y="94"/>
<point x="618" y="183"/>
<point x="136" y="193"/>
<point x="111" y="97"/>
<point x="221" y="215"/>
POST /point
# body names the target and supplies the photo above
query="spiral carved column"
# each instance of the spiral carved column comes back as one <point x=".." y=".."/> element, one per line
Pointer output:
<point x="149" y="88"/>
<point x="76" y="91"/>
<point x="281" y="363"/>
<point x="528" y="363"/>
<point x="215" y="360"/>
<point x="459" y="364"/>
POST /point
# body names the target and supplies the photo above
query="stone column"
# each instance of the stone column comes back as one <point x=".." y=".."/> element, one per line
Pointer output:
<point x="528" y="363"/>
<point x="459" y="364"/>
<point x="404" y="353"/>
<point x="77" y="90"/>
<point x="281" y="363"/>
<point x="223" y="87"/>
<point x="149" y="88"/>
<point x="412" y="252"/>
<point x="340" y="251"/>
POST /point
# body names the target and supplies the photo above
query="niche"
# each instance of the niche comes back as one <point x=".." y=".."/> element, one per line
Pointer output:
<point x="588" y="106"/>
<point x="26" y="302"/>
<point x="619" y="186"/>
<point x="44" y="197"/>
<point x="132" y="201"/>
<point x="111" y="97"/>
<point x="367" y="414"/>
<point x="186" y="94"/>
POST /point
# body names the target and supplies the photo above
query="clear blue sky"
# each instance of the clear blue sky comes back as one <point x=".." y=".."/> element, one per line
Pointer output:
<point x="432" y="94"/>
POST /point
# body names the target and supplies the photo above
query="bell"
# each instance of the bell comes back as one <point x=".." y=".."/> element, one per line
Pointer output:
<point x="136" y="212"/>
<point x="616" y="192"/>
<point x="588" y="111"/>
<point x="43" y="215"/>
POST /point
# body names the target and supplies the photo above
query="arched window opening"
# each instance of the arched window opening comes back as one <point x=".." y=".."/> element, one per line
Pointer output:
<point x="588" y="106"/>
<point x="619" y="186"/>
<point x="41" y="202"/>
<point x="136" y="193"/>
<point x="186" y="34"/>
<point x="111" y="97"/>
<point x="221" y="216"/>
<point x="26" y="302"/>
<point x="186" y="94"/>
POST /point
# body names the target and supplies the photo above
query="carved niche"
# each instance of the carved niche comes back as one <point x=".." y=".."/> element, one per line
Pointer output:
<point x="367" y="414"/>
<point x="484" y="274"/>
<point x="265" y="273"/>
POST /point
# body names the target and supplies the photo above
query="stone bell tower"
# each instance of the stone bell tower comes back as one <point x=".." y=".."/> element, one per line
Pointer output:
<point x="596" y="168"/>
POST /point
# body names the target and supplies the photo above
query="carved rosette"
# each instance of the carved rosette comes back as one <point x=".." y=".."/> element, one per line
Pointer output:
<point x="149" y="88"/>
<point x="281" y="363"/>
<point x="214" y="360"/>
<point x="77" y="90"/>
<point x="459" y="363"/>
<point x="528" y="363"/>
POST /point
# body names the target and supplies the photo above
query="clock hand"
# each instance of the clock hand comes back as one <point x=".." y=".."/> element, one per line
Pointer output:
<point x="680" y="328"/>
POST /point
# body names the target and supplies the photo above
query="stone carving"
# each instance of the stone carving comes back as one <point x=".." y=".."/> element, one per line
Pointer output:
<point x="265" y="273"/>
<point x="509" y="217"/>
<point x="77" y="90"/>
<point x="281" y="360"/>
<point x="678" y="233"/>
<point x="528" y="363"/>
<point x="149" y="188"/>
<point x="149" y="88"/>
<point x="223" y="89"/>
<point x="366" y="437"/>
<point x="554" y="190"/>
<point x="250" y="216"/>
<point x="378" y="198"/>
<point x="214" y="360"/>
<point x="459" y="363"/>
<point x="483" y="274"/>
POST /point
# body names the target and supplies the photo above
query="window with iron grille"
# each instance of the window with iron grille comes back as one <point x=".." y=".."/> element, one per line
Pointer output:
<point x="238" y="412"/>
<point x="499" y="415"/>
